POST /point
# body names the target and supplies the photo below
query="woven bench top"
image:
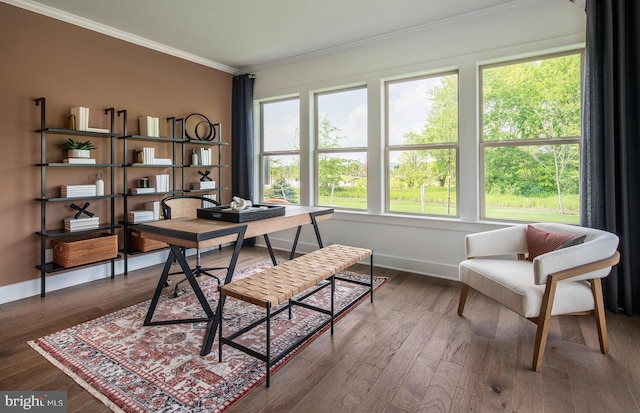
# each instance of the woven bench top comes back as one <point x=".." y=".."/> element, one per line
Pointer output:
<point x="277" y="284"/>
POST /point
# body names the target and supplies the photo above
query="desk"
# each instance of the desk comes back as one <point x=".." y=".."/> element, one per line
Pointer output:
<point x="203" y="233"/>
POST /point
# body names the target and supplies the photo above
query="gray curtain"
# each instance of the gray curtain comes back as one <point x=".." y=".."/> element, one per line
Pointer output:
<point x="611" y="147"/>
<point x="242" y="153"/>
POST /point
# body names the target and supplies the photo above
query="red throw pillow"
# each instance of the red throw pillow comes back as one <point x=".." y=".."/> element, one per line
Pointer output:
<point x="540" y="241"/>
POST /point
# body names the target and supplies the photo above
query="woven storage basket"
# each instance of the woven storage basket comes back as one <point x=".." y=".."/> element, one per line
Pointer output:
<point x="136" y="242"/>
<point x="70" y="253"/>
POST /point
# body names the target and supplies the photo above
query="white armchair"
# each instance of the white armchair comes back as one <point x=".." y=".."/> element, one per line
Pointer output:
<point x="562" y="281"/>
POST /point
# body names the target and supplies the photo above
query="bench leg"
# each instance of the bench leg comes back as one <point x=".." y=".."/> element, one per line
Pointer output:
<point x="268" y="342"/>
<point x="219" y="325"/>
<point x="371" y="275"/>
<point x="333" y="294"/>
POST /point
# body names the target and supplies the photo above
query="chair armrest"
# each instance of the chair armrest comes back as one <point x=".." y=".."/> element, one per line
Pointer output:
<point x="503" y="241"/>
<point x="580" y="256"/>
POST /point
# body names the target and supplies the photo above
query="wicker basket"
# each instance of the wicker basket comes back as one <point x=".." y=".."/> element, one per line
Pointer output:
<point x="136" y="242"/>
<point x="70" y="253"/>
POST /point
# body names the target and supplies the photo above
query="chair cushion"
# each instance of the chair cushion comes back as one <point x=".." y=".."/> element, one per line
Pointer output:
<point x="511" y="283"/>
<point x="540" y="241"/>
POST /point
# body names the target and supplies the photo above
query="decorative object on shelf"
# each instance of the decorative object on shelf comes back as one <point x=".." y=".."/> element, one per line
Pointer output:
<point x="205" y="182"/>
<point x="78" y="149"/>
<point x="99" y="184"/>
<point x="71" y="122"/>
<point x="143" y="182"/>
<point x="68" y="253"/>
<point x="201" y="127"/>
<point x="205" y="176"/>
<point x="238" y="204"/>
<point x="81" y="210"/>
<point x="194" y="157"/>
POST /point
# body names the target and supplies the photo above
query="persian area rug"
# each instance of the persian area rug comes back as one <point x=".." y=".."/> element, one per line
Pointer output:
<point x="133" y="368"/>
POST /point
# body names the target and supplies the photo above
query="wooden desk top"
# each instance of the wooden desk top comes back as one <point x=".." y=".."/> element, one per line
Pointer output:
<point x="202" y="233"/>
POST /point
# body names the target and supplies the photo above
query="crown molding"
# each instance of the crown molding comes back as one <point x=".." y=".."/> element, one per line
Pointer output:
<point x="118" y="34"/>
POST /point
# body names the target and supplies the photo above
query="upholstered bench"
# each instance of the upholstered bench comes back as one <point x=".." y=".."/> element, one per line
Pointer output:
<point x="291" y="282"/>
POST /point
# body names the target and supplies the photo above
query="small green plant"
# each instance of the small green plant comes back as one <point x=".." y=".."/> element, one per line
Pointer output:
<point x="73" y="144"/>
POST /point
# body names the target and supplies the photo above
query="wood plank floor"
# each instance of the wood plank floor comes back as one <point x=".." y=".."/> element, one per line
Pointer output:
<point x="407" y="352"/>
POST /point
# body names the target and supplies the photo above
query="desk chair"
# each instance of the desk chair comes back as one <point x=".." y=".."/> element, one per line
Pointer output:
<point x="186" y="206"/>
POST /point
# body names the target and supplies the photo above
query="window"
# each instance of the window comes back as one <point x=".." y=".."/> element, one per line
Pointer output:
<point x="341" y="154"/>
<point x="530" y="146"/>
<point x="280" y="152"/>
<point x="422" y="150"/>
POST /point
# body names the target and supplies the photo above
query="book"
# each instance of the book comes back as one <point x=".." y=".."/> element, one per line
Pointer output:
<point x="74" y="191"/>
<point x="100" y="130"/>
<point x="79" y="160"/>
<point x="139" y="191"/>
<point x="137" y="217"/>
<point x="80" y="224"/>
<point x="204" y="185"/>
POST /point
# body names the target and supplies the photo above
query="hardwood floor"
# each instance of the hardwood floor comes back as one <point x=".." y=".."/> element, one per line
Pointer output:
<point x="407" y="352"/>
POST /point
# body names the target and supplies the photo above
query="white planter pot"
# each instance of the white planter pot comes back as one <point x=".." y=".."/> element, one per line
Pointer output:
<point x="78" y="153"/>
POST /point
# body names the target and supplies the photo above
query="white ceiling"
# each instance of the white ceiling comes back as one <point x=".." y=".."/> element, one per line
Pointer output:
<point x="239" y="34"/>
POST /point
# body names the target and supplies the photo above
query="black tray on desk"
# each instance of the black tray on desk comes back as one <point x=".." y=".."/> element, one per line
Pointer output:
<point x="253" y="213"/>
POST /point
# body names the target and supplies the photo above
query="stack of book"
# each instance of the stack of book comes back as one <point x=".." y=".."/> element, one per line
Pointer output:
<point x="162" y="182"/>
<point x="149" y="126"/>
<point x="147" y="156"/>
<point x="81" y="116"/>
<point x="212" y="204"/>
<point x="77" y="191"/>
<point x="137" y="217"/>
<point x="204" y="185"/>
<point x="205" y="156"/>
<point x="155" y="207"/>
<point x="79" y="161"/>
<point x="140" y="191"/>
<point x="81" y="224"/>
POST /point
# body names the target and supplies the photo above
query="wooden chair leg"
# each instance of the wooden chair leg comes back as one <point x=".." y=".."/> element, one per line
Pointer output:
<point x="544" y="320"/>
<point x="463" y="298"/>
<point x="596" y="288"/>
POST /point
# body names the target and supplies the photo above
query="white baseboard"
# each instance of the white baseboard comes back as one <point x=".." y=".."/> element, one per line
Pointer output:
<point x="66" y="279"/>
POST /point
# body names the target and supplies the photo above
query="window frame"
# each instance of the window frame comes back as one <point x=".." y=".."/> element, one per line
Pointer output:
<point x="388" y="148"/>
<point x="484" y="144"/>
<point x="265" y="154"/>
<point x="317" y="151"/>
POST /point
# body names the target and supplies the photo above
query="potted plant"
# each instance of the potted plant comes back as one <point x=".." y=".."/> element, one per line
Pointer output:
<point x="78" y="149"/>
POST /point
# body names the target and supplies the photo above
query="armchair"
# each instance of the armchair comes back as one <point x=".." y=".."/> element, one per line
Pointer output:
<point x="565" y="280"/>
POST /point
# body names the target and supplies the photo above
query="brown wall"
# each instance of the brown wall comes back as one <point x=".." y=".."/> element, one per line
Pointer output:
<point x="71" y="66"/>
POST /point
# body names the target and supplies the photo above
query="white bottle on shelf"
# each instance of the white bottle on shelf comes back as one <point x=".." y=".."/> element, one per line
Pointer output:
<point x="99" y="184"/>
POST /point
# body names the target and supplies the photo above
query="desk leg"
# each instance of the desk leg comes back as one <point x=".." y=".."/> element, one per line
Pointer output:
<point x="159" y="287"/>
<point x="314" y="222"/>
<point x="273" y="256"/>
<point x="175" y="253"/>
<point x="212" y="327"/>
